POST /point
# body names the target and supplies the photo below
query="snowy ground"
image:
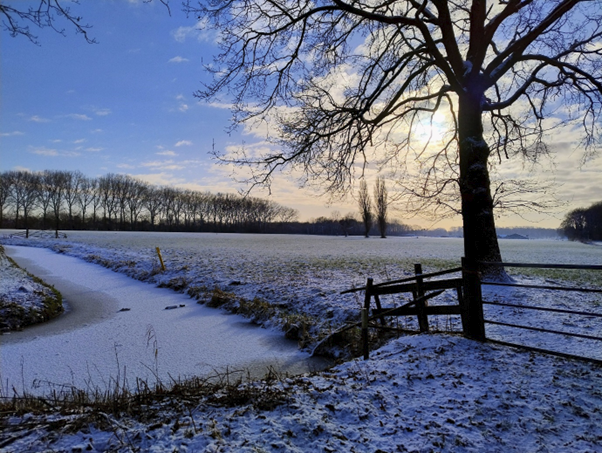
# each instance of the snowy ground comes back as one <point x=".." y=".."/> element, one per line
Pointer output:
<point x="417" y="393"/>
<point x="423" y="393"/>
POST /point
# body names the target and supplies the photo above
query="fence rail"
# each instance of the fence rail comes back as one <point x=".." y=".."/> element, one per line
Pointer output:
<point x="543" y="265"/>
<point x="470" y="302"/>
<point x="587" y="267"/>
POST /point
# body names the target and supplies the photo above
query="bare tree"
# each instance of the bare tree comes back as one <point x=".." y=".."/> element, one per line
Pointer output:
<point x="45" y="195"/>
<point x="5" y="183"/>
<point x="72" y="183"/>
<point x="347" y="223"/>
<point x="153" y="202"/>
<point x="85" y="197"/>
<point x="97" y="201"/>
<point x="24" y="192"/>
<point x="46" y="14"/>
<point x="583" y="224"/>
<point x="17" y="18"/>
<point x="136" y="199"/>
<point x="365" y="206"/>
<point x="56" y="186"/>
<point x="108" y="195"/>
<point x="381" y="205"/>
<point x="352" y="83"/>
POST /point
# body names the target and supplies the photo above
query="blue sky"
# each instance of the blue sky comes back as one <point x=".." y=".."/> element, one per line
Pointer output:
<point x="126" y="105"/>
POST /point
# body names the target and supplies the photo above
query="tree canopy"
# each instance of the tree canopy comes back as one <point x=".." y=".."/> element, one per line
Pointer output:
<point x="352" y="83"/>
<point x="584" y="224"/>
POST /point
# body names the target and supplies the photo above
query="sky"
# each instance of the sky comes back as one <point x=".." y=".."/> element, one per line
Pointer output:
<point x="126" y="105"/>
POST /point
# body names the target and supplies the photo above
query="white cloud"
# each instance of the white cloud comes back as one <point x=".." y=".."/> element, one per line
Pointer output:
<point x="166" y="153"/>
<point x="180" y="97"/>
<point x="45" y="152"/>
<point x="97" y="131"/>
<point x="38" y="119"/>
<point x="11" y="134"/>
<point x="200" y="31"/>
<point x="160" y="179"/>
<point x="178" y="59"/>
<point x="181" y="33"/>
<point x="183" y="143"/>
<point x="79" y="116"/>
<point x="183" y="107"/>
<point x="102" y="112"/>
<point x="51" y="152"/>
<point x="93" y="150"/>
<point x="164" y="165"/>
<point x="81" y="140"/>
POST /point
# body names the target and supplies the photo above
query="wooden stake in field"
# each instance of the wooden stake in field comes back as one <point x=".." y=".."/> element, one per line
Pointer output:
<point x="160" y="259"/>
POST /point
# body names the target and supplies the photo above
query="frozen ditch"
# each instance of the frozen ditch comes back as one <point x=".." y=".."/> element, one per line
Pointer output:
<point x="94" y="342"/>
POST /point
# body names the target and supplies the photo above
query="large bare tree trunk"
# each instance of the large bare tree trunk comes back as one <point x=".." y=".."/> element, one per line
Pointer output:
<point x="480" y="237"/>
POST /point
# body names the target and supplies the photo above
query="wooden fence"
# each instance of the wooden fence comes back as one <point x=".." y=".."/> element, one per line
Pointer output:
<point x="468" y="290"/>
<point x="419" y="286"/>
<point x="533" y="308"/>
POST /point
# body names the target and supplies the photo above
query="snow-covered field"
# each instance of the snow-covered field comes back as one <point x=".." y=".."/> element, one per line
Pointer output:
<point x="417" y="393"/>
<point x="301" y="277"/>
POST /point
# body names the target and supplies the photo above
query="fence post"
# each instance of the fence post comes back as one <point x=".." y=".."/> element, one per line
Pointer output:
<point x="365" y="315"/>
<point x="423" y="320"/>
<point x="473" y="323"/>
<point x="160" y="259"/>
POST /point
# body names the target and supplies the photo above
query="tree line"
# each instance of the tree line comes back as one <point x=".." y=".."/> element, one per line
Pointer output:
<point x="70" y="200"/>
<point x="583" y="224"/>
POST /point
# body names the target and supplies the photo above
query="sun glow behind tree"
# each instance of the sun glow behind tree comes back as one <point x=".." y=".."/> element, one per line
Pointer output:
<point x="359" y="81"/>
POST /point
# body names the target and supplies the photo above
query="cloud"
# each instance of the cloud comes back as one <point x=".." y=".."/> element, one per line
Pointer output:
<point x="45" y="152"/>
<point x="51" y="152"/>
<point x="178" y="59"/>
<point x="200" y="31"/>
<point x="164" y="165"/>
<point x="93" y="150"/>
<point x="166" y="153"/>
<point x="81" y="140"/>
<point x="102" y="112"/>
<point x="97" y="131"/>
<point x="79" y="116"/>
<point x="183" y="143"/>
<point x="182" y="33"/>
<point x="160" y="179"/>
<point x="183" y="107"/>
<point x="38" y="119"/>
<point x="11" y="134"/>
<point x="221" y="105"/>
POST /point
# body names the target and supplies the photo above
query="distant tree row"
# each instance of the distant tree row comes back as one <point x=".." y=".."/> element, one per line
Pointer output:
<point x="347" y="225"/>
<point x="71" y="200"/>
<point x="583" y="224"/>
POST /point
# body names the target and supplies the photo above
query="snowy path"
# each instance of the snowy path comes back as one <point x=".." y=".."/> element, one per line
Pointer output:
<point x="94" y="343"/>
